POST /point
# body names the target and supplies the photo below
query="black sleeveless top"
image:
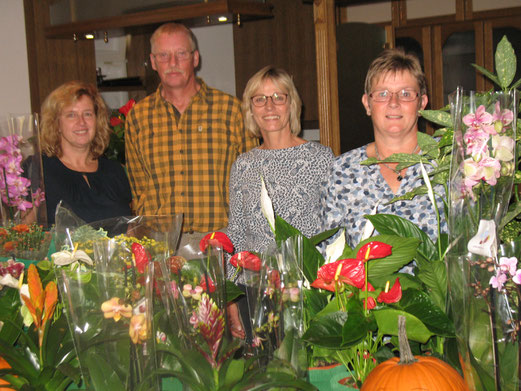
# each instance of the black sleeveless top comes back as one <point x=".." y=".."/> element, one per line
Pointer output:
<point x="107" y="193"/>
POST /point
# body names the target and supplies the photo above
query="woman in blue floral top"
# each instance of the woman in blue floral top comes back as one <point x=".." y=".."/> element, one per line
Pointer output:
<point x="395" y="89"/>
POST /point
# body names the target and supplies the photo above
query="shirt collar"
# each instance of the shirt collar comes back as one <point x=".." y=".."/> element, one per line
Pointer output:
<point x="201" y="95"/>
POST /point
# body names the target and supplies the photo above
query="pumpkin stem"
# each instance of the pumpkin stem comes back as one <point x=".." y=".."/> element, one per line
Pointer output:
<point x="406" y="356"/>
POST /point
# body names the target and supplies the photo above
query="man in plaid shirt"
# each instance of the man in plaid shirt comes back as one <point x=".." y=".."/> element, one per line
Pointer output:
<point x="181" y="140"/>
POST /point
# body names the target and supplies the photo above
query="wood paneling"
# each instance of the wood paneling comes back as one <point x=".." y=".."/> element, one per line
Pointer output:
<point x="288" y="41"/>
<point x="53" y="62"/>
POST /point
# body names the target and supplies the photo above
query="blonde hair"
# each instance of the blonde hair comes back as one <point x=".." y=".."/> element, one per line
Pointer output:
<point x="65" y="95"/>
<point x="281" y="79"/>
<point x="395" y="61"/>
<point x="172" y="28"/>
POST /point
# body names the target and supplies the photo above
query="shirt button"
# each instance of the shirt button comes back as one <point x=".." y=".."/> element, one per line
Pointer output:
<point x="200" y="128"/>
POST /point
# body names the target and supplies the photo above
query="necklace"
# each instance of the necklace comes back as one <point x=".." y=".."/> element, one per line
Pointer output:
<point x="399" y="176"/>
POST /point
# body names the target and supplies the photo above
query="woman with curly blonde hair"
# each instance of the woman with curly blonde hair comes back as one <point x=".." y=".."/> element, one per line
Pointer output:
<point x="74" y="134"/>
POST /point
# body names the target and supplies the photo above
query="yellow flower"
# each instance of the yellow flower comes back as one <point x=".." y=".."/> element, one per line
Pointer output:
<point x="138" y="329"/>
<point x="116" y="308"/>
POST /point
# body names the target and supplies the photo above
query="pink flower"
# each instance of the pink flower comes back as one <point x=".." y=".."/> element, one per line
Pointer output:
<point x="504" y="117"/>
<point x="508" y="265"/>
<point x="476" y="143"/>
<point x="480" y="120"/>
<point x="503" y="147"/>
<point x="498" y="280"/>
<point x="38" y="197"/>
<point x="517" y="277"/>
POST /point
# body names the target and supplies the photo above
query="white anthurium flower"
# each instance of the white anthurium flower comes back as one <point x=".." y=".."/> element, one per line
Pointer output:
<point x="334" y="250"/>
<point x="369" y="227"/>
<point x="64" y="258"/>
<point x="427" y="181"/>
<point x="484" y="242"/>
<point x="267" y="206"/>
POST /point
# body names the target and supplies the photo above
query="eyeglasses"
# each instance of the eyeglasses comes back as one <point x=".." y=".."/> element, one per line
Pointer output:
<point x="74" y="116"/>
<point x="405" y="95"/>
<point x="180" y="55"/>
<point x="276" y="99"/>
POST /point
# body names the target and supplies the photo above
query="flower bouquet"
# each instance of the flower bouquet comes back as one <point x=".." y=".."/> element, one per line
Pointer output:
<point x="21" y="175"/>
<point x="104" y="284"/>
<point x="482" y="175"/>
<point x="36" y="350"/>
<point x="197" y="348"/>
<point x="24" y="241"/>
<point x="116" y="148"/>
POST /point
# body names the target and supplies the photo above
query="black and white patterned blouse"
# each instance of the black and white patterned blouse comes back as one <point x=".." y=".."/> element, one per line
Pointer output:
<point x="354" y="190"/>
<point x="295" y="179"/>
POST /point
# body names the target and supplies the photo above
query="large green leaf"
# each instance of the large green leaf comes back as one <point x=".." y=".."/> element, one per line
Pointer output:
<point x="403" y="251"/>
<point x="438" y="117"/>
<point x="234" y="372"/>
<point x="356" y="326"/>
<point x="419" y="304"/>
<point x="387" y="224"/>
<point x="387" y="320"/>
<point x="487" y="73"/>
<point x="315" y="301"/>
<point x="505" y="58"/>
<point x="434" y="276"/>
<point x="323" y="236"/>
<point x="232" y="291"/>
<point x="326" y="331"/>
<point x="312" y="257"/>
<point x="101" y="375"/>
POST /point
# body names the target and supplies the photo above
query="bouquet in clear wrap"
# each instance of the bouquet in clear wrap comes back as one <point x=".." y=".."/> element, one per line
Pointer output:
<point x="105" y="276"/>
<point x="277" y="321"/>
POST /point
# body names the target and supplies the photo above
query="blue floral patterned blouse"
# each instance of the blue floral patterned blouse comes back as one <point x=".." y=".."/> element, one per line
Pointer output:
<point x="354" y="190"/>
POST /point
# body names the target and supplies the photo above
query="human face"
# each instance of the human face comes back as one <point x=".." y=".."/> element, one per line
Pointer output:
<point x="394" y="117"/>
<point x="78" y="124"/>
<point x="271" y="118"/>
<point x="175" y="73"/>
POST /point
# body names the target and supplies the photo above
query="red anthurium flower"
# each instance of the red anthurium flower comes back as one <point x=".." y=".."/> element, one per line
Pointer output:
<point x="115" y="121"/>
<point x="346" y="271"/>
<point x="126" y="108"/>
<point x="141" y="256"/>
<point x="392" y="295"/>
<point x="374" y="250"/>
<point x="217" y="239"/>
<point x="246" y="260"/>
<point x="211" y="285"/>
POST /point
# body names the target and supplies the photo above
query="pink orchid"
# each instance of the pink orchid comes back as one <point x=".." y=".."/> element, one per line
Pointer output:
<point x="480" y="120"/>
<point x="508" y="265"/>
<point x="38" y="197"/>
<point x="476" y="142"/>
<point x="498" y="280"/>
<point x="517" y="277"/>
<point x="503" y="147"/>
<point x="502" y="118"/>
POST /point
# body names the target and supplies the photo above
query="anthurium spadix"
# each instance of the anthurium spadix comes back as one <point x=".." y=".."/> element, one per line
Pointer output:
<point x="267" y="206"/>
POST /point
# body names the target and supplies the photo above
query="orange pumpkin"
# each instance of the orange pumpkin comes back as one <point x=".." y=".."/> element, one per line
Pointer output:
<point x="413" y="372"/>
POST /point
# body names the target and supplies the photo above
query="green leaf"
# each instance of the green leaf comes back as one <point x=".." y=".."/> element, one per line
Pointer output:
<point x="487" y="73"/>
<point x="315" y="301"/>
<point x="434" y="276"/>
<point x="101" y="374"/>
<point x="323" y="236"/>
<point x="419" y="304"/>
<point x="516" y="85"/>
<point x="438" y="117"/>
<point x="356" y="326"/>
<point x="505" y="62"/>
<point x="387" y="320"/>
<point x="403" y="252"/>
<point x="510" y="215"/>
<point x="234" y="372"/>
<point x="387" y="224"/>
<point x="326" y="331"/>
<point x="232" y="291"/>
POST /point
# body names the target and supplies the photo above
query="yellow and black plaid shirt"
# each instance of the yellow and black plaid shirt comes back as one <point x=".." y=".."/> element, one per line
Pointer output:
<point x="181" y="163"/>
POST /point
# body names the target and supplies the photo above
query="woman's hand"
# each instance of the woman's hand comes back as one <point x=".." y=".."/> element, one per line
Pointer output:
<point x="234" y="321"/>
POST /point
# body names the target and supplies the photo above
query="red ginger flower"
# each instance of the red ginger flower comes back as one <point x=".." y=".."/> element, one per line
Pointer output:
<point x="392" y="295"/>
<point x="216" y="239"/>
<point x="246" y="260"/>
